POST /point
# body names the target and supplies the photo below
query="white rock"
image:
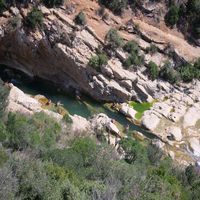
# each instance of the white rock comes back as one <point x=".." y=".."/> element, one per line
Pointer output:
<point x="150" y="120"/>
<point x="80" y="124"/>
<point x="175" y="132"/>
<point x="162" y="108"/>
<point x="191" y="117"/>
<point x="195" y="146"/>
<point x="113" y="128"/>
<point x="14" y="10"/>
<point x="172" y="154"/>
<point x="127" y="111"/>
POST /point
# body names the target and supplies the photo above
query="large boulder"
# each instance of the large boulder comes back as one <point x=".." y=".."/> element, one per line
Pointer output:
<point x="192" y="116"/>
<point x="195" y="146"/>
<point x="127" y="111"/>
<point x="150" y="121"/>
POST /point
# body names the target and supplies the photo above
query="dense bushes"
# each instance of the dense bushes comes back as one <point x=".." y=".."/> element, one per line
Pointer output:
<point x="169" y="74"/>
<point x="4" y="91"/>
<point x="98" y="60"/>
<point x="113" y="39"/>
<point x="134" y="58"/>
<point x="39" y="132"/>
<point x="186" y="16"/>
<point x="80" y="19"/>
<point x="2" y="6"/>
<point x="117" y="6"/>
<point x="34" y="18"/>
<point x="52" y="3"/>
<point x="172" y="16"/>
<point x="85" y="170"/>
<point x="153" y="70"/>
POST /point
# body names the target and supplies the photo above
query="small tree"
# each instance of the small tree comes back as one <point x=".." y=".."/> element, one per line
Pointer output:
<point x="113" y="39"/>
<point x="80" y="18"/>
<point x="2" y="6"/>
<point x="153" y="70"/>
<point x="169" y="74"/>
<point x="131" y="46"/>
<point x="34" y="18"/>
<point x="52" y="3"/>
<point x="117" y="6"/>
<point x="172" y="16"/>
<point x="98" y="60"/>
<point x="152" y="49"/>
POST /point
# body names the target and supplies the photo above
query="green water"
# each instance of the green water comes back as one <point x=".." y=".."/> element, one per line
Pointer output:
<point x="140" y="108"/>
<point x="85" y="107"/>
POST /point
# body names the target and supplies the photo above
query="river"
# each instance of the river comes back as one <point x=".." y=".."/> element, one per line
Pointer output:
<point x="86" y="107"/>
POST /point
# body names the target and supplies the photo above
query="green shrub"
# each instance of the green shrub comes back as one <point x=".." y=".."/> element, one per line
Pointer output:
<point x="152" y="49"/>
<point x="81" y="18"/>
<point x="131" y="46"/>
<point x="67" y="119"/>
<point x="3" y="132"/>
<point x="172" y="16"/>
<point x="113" y="39"/>
<point x="169" y="74"/>
<point x="4" y="92"/>
<point x="86" y="148"/>
<point x="3" y="157"/>
<point x="2" y="6"/>
<point x="133" y="60"/>
<point x="52" y="3"/>
<point x="98" y="60"/>
<point x="133" y="150"/>
<point x="187" y="72"/>
<point x="117" y="6"/>
<point x="39" y="131"/>
<point x="197" y="64"/>
<point x="154" y="153"/>
<point x="153" y="70"/>
<point x="34" y="18"/>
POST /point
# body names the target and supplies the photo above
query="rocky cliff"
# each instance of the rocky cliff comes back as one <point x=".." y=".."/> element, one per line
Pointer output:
<point x="60" y="52"/>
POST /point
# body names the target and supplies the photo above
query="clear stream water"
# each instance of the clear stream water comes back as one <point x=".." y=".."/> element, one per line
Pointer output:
<point x="86" y="107"/>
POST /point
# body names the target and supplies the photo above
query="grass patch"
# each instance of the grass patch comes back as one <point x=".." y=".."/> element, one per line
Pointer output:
<point x="141" y="108"/>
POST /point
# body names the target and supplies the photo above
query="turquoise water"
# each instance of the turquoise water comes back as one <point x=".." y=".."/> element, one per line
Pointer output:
<point x="86" y="107"/>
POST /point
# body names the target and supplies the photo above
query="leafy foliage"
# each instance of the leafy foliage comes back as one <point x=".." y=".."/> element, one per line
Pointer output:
<point x="81" y="18"/>
<point x="98" y="60"/>
<point x="153" y="70"/>
<point x="2" y="6"/>
<point x="169" y="74"/>
<point x="113" y="39"/>
<point x="134" y="58"/>
<point x="4" y="91"/>
<point x="52" y="3"/>
<point x="172" y="16"/>
<point x="131" y="46"/>
<point x="117" y="6"/>
<point x="34" y="18"/>
<point x="37" y="132"/>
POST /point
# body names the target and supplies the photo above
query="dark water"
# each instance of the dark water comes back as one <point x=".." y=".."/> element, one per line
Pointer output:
<point x="86" y="107"/>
